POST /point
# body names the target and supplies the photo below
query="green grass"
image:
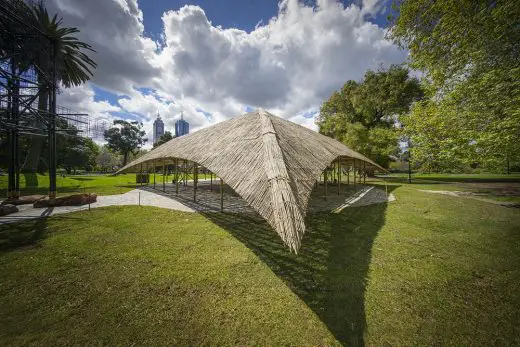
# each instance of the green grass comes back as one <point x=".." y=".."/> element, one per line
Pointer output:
<point x="446" y="177"/>
<point x="99" y="184"/>
<point x="143" y="276"/>
<point x="424" y="270"/>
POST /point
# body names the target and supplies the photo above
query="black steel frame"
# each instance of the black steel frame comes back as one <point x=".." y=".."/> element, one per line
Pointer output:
<point x="19" y="93"/>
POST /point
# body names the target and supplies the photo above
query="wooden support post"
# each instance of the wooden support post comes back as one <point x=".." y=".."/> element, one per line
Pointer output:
<point x="154" y="174"/>
<point x="364" y="173"/>
<point x="221" y="195"/>
<point x="195" y="179"/>
<point x="325" y="180"/>
<point x="339" y="175"/>
<point x="348" y="174"/>
<point x="176" y="176"/>
<point x="211" y="182"/>
<point x="146" y="173"/>
<point x="164" y="176"/>
<point x="354" y="170"/>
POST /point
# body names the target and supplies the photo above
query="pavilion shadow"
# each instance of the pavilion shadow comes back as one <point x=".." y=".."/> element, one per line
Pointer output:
<point x="330" y="271"/>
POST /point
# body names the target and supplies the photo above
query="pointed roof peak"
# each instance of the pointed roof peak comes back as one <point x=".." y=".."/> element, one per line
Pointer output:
<point x="272" y="163"/>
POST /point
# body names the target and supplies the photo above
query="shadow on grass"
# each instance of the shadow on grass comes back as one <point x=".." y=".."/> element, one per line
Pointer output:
<point x="31" y="179"/>
<point x="24" y="233"/>
<point x="330" y="272"/>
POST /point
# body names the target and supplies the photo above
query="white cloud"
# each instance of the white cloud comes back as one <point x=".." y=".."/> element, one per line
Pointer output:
<point x="288" y="65"/>
<point x="114" y="29"/>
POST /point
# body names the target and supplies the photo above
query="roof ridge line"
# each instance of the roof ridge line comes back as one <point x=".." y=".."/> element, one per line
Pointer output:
<point x="287" y="214"/>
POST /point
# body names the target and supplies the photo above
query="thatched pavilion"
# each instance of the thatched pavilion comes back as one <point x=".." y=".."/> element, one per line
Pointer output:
<point x="272" y="163"/>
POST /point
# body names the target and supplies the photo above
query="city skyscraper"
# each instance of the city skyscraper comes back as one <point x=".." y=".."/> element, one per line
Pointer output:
<point x="181" y="127"/>
<point x="158" y="128"/>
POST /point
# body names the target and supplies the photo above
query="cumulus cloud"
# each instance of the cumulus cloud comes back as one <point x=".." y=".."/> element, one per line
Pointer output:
<point x="114" y="28"/>
<point x="288" y="65"/>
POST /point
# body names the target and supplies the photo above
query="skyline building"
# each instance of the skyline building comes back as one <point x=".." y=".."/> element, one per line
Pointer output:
<point x="158" y="129"/>
<point x="182" y="127"/>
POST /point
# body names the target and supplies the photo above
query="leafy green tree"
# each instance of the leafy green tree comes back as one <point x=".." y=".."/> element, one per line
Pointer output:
<point x="125" y="138"/>
<point x="73" y="150"/>
<point x="106" y="159"/>
<point x="470" y="52"/>
<point x="363" y="114"/>
<point x="73" y="66"/>
<point x="81" y="153"/>
<point x="167" y="136"/>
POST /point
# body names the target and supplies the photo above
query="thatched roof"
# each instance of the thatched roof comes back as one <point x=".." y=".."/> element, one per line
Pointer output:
<point x="270" y="162"/>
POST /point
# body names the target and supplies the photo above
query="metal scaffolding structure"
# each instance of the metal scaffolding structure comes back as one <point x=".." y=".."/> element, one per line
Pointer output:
<point x="21" y="87"/>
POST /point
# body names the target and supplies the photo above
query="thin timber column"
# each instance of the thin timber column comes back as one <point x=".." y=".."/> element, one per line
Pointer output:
<point x="163" y="175"/>
<point x="325" y="180"/>
<point x="176" y="176"/>
<point x="364" y="174"/>
<point x="185" y="173"/>
<point x="221" y="195"/>
<point x="154" y="174"/>
<point x="195" y="178"/>
<point x="354" y="170"/>
<point x="339" y="175"/>
<point x="211" y="181"/>
<point x="147" y="181"/>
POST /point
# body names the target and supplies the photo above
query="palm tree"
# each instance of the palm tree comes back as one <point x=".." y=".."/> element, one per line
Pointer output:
<point x="62" y="53"/>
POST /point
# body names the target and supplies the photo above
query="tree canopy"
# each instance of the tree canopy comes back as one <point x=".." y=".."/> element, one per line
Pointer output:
<point x="125" y="137"/>
<point x="469" y="51"/>
<point x="167" y="136"/>
<point x="363" y="115"/>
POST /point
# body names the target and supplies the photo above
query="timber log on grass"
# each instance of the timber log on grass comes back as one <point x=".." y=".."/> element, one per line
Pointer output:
<point x="70" y="200"/>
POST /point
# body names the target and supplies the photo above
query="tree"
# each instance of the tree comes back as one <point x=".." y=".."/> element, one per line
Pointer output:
<point x="363" y="114"/>
<point x="73" y="66"/>
<point x="74" y="151"/>
<point x="106" y="160"/>
<point x="81" y="153"/>
<point x="167" y="136"/>
<point x="470" y="52"/>
<point x="125" y="138"/>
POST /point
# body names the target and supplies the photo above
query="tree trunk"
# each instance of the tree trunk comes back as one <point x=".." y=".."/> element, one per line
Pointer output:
<point x="125" y="158"/>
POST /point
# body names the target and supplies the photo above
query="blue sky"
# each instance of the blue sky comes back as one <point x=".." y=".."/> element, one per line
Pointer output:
<point x="241" y="14"/>
<point x="161" y="55"/>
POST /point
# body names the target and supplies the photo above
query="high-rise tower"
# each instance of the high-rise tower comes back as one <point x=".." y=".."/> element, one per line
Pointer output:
<point x="181" y="127"/>
<point x="158" y="128"/>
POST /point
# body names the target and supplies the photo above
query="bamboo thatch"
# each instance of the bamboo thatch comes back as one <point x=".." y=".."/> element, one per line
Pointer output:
<point x="271" y="162"/>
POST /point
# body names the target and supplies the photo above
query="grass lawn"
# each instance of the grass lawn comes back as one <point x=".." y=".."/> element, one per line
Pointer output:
<point x="445" y="177"/>
<point x="99" y="184"/>
<point x="427" y="269"/>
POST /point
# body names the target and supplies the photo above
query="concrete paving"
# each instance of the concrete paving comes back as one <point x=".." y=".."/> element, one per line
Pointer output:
<point x="133" y="197"/>
<point x="208" y="200"/>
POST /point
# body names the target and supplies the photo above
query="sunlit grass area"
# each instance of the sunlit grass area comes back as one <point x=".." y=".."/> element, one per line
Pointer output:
<point x="99" y="184"/>
<point x="446" y="177"/>
<point x="426" y="269"/>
